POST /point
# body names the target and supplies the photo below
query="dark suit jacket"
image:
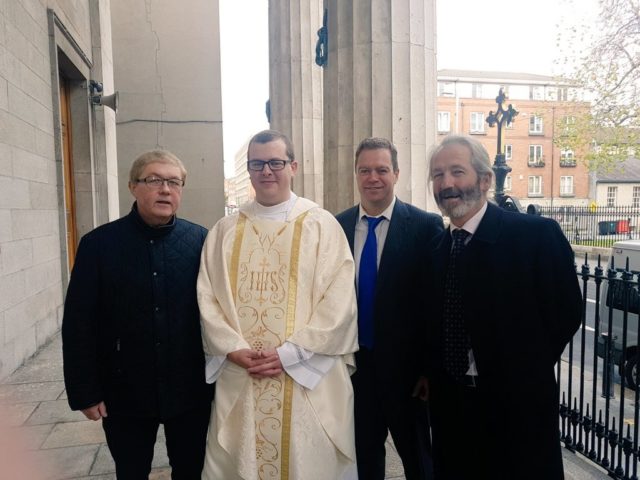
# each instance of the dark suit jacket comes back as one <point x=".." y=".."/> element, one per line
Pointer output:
<point x="411" y="230"/>
<point x="522" y="304"/>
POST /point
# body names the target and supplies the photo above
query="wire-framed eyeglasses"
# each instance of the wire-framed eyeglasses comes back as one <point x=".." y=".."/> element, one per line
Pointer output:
<point x="158" y="182"/>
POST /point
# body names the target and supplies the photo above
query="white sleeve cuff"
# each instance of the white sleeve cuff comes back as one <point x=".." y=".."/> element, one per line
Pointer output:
<point x="305" y="367"/>
<point x="213" y="367"/>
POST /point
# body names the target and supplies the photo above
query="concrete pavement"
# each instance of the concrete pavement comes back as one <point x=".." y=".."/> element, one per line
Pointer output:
<point x="64" y="445"/>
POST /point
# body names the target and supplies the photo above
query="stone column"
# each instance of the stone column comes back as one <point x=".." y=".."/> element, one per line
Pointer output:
<point x="380" y="80"/>
<point x="295" y="87"/>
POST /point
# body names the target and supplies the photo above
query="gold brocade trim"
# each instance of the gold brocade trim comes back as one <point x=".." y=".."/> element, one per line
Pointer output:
<point x="291" y="313"/>
<point x="235" y="254"/>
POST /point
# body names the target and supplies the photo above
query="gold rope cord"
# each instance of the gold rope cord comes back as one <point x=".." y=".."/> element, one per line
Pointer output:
<point x="291" y="312"/>
<point x="235" y="254"/>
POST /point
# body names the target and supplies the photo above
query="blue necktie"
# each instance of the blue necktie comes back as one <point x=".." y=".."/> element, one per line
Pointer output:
<point x="367" y="283"/>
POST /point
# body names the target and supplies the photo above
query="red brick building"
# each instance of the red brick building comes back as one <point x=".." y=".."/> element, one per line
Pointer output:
<point x="541" y="172"/>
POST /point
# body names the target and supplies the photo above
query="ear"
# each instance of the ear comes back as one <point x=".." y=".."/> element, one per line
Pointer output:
<point x="294" y="167"/>
<point x="132" y="187"/>
<point x="485" y="182"/>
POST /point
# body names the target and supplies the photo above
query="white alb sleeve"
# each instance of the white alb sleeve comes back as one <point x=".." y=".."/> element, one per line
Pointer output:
<point x="305" y="367"/>
<point x="213" y="367"/>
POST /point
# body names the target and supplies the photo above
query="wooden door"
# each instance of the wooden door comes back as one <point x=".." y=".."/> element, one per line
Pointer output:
<point x="67" y="167"/>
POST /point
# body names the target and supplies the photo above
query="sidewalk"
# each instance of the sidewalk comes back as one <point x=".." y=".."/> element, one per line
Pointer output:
<point x="71" y="447"/>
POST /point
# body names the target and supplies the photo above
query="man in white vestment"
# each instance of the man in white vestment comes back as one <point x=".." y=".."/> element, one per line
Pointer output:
<point x="279" y="324"/>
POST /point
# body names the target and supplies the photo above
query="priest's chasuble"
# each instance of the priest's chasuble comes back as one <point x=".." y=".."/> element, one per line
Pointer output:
<point x="263" y="282"/>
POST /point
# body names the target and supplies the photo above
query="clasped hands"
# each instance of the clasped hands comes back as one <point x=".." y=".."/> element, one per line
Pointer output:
<point x="259" y="364"/>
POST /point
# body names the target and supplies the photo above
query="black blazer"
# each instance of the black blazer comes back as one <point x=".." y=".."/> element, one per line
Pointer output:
<point x="411" y="230"/>
<point x="522" y="304"/>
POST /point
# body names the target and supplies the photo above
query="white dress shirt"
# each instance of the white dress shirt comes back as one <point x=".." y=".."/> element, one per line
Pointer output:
<point x="362" y="229"/>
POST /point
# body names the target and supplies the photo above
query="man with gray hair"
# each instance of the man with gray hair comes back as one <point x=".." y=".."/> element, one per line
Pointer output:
<point x="504" y="302"/>
<point x="132" y="348"/>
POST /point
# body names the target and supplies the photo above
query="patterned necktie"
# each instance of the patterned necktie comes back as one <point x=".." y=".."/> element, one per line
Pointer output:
<point x="367" y="275"/>
<point x="455" y="339"/>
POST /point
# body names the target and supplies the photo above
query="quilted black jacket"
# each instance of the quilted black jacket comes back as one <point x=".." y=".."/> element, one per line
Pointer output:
<point x="131" y="326"/>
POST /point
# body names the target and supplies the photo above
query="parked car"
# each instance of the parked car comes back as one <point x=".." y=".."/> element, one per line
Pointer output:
<point x="612" y="307"/>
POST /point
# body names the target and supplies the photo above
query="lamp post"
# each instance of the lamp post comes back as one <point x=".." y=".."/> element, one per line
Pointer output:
<point x="501" y="118"/>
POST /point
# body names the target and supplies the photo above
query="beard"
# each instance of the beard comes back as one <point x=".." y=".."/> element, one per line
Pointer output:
<point x="470" y="198"/>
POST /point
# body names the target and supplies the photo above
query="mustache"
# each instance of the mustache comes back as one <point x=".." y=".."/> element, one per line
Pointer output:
<point x="450" y="192"/>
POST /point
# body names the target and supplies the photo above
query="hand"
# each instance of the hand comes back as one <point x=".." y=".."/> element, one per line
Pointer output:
<point x="96" y="412"/>
<point x="421" y="390"/>
<point x="268" y="365"/>
<point x="244" y="357"/>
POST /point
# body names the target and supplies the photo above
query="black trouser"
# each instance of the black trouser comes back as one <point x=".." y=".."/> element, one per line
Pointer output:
<point x="406" y="420"/>
<point x="131" y="441"/>
<point x="462" y="437"/>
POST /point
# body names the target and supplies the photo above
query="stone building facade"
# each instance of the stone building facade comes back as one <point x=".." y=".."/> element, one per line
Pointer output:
<point x="58" y="170"/>
<point x="64" y="159"/>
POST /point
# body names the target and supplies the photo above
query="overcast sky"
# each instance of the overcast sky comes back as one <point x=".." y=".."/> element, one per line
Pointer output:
<point x="495" y="35"/>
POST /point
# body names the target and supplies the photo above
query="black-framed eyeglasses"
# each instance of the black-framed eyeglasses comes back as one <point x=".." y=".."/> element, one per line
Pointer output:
<point x="158" y="182"/>
<point x="275" y="164"/>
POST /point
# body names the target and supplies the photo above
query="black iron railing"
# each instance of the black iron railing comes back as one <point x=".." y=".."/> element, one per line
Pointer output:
<point x="593" y="225"/>
<point x="598" y="373"/>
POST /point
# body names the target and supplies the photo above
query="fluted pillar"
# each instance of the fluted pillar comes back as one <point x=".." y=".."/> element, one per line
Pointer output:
<point x="380" y="80"/>
<point x="295" y="87"/>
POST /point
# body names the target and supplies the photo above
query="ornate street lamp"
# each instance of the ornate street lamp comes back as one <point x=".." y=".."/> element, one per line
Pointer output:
<point x="502" y="118"/>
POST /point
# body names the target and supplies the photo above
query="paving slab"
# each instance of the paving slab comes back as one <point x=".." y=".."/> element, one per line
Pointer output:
<point x="75" y="433"/>
<point x="393" y="465"/>
<point x="68" y="462"/>
<point x="577" y="467"/>
<point x="160" y="457"/>
<point x="160" y="474"/>
<point x="109" y="476"/>
<point x="35" y="435"/>
<point x="17" y="414"/>
<point x="30" y="392"/>
<point x="36" y="371"/>
<point x="55" y="411"/>
<point x="52" y="351"/>
<point x="103" y="463"/>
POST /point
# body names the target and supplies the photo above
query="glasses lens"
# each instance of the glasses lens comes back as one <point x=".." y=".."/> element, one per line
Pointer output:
<point x="256" y="165"/>
<point x="276" y="164"/>
<point x="175" y="183"/>
<point x="154" y="181"/>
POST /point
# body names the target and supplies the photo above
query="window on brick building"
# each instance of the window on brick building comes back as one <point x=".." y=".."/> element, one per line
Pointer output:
<point x="507" y="183"/>
<point x="535" y="185"/>
<point x="446" y="89"/>
<point x="635" y="199"/>
<point x="508" y="152"/>
<point x="535" y="125"/>
<point x="477" y="122"/>
<point x="476" y="90"/>
<point x="536" y="93"/>
<point x="566" y="185"/>
<point x="535" y="156"/>
<point x="444" y="122"/>
<point x="567" y="158"/>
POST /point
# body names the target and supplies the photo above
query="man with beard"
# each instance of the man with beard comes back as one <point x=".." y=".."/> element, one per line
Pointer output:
<point x="504" y="301"/>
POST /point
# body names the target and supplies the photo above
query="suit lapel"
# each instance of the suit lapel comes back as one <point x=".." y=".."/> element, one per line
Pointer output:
<point x="349" y="225"/>
<point x="393" y="244"/>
